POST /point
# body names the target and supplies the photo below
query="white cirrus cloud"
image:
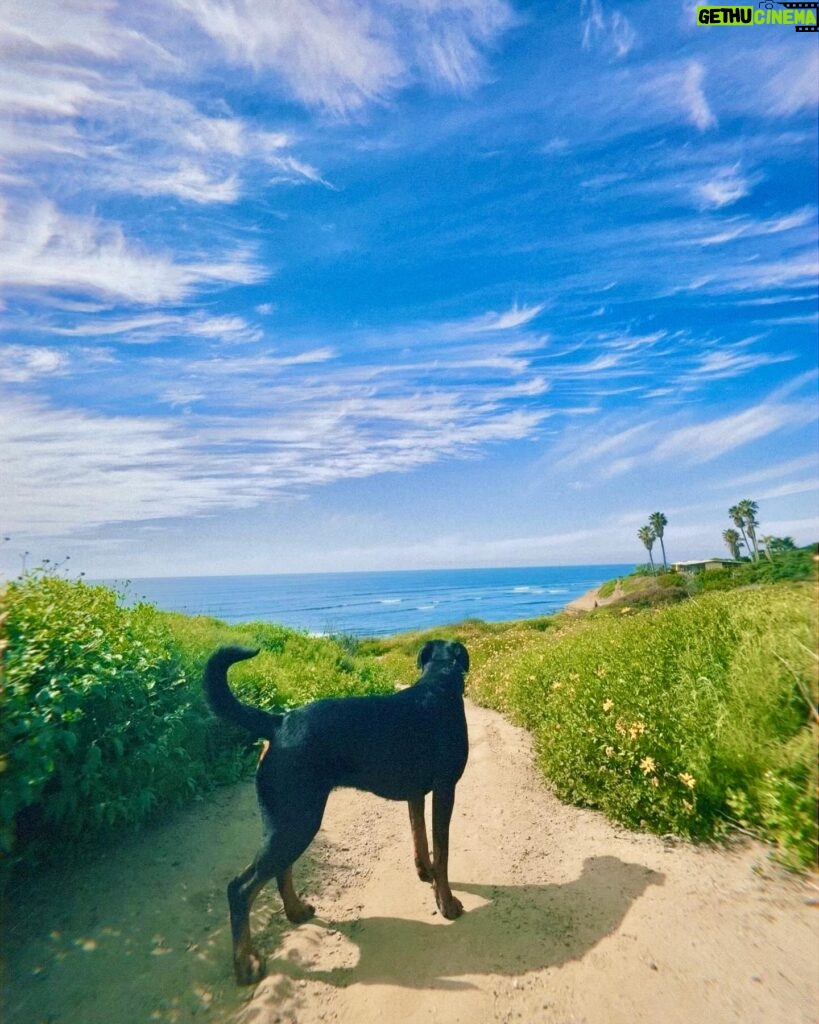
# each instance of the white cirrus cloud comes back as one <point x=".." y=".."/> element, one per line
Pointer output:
<point x="694" y="99"/>
<point x="710" y="439"/>
<point x="148" y="328"/>
<point x="611" y="31"/>
<point x="724" y="188"/>
<point x="341" y="55"/>
<point x="22" y="363"/>
<point x="257" y="426"/>
<point x="44" y="248"/>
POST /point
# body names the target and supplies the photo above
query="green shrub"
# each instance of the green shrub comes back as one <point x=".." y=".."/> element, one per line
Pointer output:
<point x="102" y="722"/>
<point x="675" y="718"/>
<point x="786" y="566"/>
<point x="98" y="729"/>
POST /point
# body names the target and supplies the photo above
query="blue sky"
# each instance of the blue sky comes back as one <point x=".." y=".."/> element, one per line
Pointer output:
<point x="344" y="284"/>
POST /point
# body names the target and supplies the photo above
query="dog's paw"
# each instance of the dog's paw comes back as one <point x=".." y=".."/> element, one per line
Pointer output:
<point x="451" y="908"/>
<point x="250" y="969"/>
<point x="300" y="913"/>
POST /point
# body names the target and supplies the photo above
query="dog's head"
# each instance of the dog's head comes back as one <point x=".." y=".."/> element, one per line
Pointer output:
<point x="444" y="652"/>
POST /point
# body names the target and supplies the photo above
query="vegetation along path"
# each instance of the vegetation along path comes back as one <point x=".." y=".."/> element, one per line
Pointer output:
<point x="569" y="920"/>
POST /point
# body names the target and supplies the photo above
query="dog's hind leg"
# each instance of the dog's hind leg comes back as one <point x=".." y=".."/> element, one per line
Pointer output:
<point x="287" y="837"/>
<point x="423" y="865"/>
<point x="295" y="908"/>
<point x="242" y="891"/>
<point x="443" y="799"/>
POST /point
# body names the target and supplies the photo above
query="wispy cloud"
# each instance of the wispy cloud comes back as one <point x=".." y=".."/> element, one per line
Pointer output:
<point x="803" y="466"/>
<point x="736" y="359"/>
<point x="47" y="249"/>
<point x="22" y="363"/>
<point x="671" y="91"/>
<point x="606" y="451"/>
<point x="514" y="317"/>
<point x="259" y="425"/>
<point x="611" y="31"/>
<point x="706" y="441"/>
<point x="694" y="99"/>
<point x="149" y="328"/>
<point x="746" y="227"/>
<point x="345" y="55"/>
<point x="724" y="189"/>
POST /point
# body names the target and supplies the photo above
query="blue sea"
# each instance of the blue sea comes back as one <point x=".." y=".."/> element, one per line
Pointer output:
<point x="377" y="603"/>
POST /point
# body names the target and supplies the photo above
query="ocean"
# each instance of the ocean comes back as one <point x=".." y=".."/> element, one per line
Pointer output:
<point x="376" y="603"/>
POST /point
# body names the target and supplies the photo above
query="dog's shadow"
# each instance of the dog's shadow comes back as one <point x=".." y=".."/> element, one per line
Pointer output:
<point x="517" y="929"/>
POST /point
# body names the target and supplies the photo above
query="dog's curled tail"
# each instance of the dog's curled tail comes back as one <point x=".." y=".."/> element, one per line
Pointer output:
<point x="224" y="704"/>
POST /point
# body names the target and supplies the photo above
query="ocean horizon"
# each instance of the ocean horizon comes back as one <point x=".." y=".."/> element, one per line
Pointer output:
<point x="370" y="604"/>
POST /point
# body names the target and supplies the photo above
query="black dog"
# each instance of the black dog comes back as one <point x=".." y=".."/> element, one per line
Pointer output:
<point x="400" y="746"/>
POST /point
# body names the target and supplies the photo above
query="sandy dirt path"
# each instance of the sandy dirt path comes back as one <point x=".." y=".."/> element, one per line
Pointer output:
<point x="569" y="920"/>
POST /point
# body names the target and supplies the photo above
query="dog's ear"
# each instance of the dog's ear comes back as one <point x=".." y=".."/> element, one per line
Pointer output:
<point x="425" y="653"/>
<point x="462" y="656"/>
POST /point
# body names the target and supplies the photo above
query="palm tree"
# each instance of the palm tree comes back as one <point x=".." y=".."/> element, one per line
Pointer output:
<point x="658" y="522"/>
<point x="738" y="519"/>
<point x="646" y="535"/>
<point x="748" y="510"/>
<point x="734" y="542"/>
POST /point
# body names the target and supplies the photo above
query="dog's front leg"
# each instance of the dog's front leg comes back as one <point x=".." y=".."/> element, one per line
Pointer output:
<point x="443" y="799"/>
<point x="423" y="865"/>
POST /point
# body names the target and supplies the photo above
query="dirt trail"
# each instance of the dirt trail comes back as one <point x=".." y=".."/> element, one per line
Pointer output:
<point x="569" y="920"/>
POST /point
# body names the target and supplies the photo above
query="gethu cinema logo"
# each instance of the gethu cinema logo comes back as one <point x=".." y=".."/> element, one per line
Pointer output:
<point x="803" y="16"/>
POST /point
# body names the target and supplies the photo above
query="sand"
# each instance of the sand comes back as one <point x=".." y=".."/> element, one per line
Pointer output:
<point x="570" y="920"/>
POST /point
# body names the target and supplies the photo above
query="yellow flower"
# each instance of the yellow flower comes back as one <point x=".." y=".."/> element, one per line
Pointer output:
<point x="648" y="764"/>
<point x="608" y="704"/>
<point x="655" y="782"/>
<point x="609" y="751"/>
<point x="687" y="780"/>
<point x="636" y="729"/>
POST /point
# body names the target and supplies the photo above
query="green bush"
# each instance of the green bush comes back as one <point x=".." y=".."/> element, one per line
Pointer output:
<point x="680" y="718"/>
<point x="794" y="566"/>
<point x="97" y="724"/>
<point x="102" y="722"/>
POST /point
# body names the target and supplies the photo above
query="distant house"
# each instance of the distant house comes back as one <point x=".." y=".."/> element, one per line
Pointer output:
<point x="704" y="564"/>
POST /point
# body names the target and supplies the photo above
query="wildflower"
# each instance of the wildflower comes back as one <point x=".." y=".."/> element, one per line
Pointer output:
<point x="655" y="782"/>
<point x="609" y="751"/>
<point x="620" y="727"/>
<point x="600" y="671"/>
<point x="636" y="729"/>
<point x="687" y="780"/>
<point x="608" y="704"/>
<point x="648" y="764"/>
<point x="689" y="807"/>
<point x="556" y="685"/>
